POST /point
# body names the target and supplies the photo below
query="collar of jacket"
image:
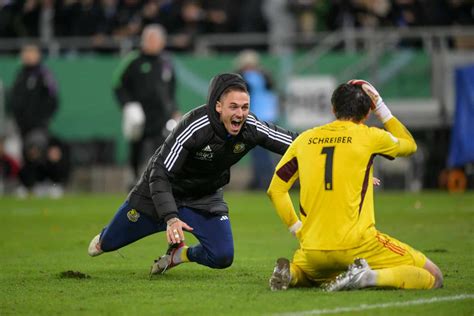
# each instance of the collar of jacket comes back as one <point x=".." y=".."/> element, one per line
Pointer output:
<point x="217" y="86"/>
<point x="146" y="55"/>
<point x="32" y="67"/>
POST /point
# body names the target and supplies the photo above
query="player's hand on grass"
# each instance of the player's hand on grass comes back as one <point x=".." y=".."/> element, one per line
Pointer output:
<point x="379" y="107"/>
<point x="174" y="230"/>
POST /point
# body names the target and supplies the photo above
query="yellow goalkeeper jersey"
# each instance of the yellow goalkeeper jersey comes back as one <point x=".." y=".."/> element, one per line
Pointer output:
<point x="334" y="165"/>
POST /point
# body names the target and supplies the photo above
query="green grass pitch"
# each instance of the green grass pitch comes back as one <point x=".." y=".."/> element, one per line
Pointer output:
<point x="40" y="238"/>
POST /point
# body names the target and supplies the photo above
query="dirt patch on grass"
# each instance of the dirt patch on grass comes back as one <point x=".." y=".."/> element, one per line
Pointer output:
<point x="73" y="275"/>
<point x="437" y="250"/>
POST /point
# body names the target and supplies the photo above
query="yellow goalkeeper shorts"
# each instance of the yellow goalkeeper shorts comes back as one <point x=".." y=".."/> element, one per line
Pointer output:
<point x="381" y="251"/>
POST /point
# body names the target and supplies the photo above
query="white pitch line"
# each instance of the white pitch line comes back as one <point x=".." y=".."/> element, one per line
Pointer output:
<point x="364" y="307"/>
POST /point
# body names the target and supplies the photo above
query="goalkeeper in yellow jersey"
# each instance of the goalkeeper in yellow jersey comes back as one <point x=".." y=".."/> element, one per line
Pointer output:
<point x="340" y="248"/>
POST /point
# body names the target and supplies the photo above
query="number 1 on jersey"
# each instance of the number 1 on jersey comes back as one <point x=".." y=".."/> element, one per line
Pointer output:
<point x="329" y="152"/>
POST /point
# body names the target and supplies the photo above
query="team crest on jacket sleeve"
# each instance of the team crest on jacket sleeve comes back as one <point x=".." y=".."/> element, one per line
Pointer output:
<point x="238" y="148"/>
<point x="133" y="215"/>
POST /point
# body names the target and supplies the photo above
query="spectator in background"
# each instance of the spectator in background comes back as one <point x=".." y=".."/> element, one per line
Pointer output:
<point x="33" y="97"/>
<point x="46" y="166"/>
<point x="33" y="102"/>
<point x="86" y="18"/>
<point x="188" y="20"/>
<point x="8" y="17"/>
<point x="89" y="19"/>
<point x="407" y="13"/>
<point x="145" y="85"/>
<point x="265" y="107"/>
<point x="9" y="168"/>
<point x="462" y="12"/>
<point x="108" y="10"/>
<point x="251" y="18"/>
<point x="304" y="13"/>
<point x="38" y="19"/>
<point x="156" y="11"/>
<point x="128" y="18"/>
<point x="106" y="24"/>
<point x="222" y="16"/>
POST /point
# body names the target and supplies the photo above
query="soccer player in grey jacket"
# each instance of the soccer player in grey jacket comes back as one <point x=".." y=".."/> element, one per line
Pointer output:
<point x="181" y="188"/>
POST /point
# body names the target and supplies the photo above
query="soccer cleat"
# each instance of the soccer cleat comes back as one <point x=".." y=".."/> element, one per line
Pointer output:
<point x="166" y="261"/>
<point x="351" y="279"/>
<point x="94" y="247"/>
<point x="281" y="276"/>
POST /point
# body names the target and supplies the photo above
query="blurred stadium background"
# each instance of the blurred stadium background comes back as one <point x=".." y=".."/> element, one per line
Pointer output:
<point x="418" y="53"/>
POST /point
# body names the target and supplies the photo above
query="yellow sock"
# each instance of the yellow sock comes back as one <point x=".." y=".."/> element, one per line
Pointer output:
<point x="184" y="254"/>
<point x="298" y="278"/>
<point x="405" y="277"/>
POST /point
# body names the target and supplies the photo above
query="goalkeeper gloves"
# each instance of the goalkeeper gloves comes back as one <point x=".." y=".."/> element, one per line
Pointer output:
<point x="379" y="107"/>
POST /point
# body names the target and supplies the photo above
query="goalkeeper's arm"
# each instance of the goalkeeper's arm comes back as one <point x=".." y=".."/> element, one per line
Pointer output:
<point x="407" y="144"/>
<point x="278" y="193"/>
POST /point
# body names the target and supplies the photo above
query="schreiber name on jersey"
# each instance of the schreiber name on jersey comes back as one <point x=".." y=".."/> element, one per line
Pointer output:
<point x="330" y="140"/>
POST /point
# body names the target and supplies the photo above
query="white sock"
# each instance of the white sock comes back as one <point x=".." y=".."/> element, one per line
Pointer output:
<point x="368" y="279"/>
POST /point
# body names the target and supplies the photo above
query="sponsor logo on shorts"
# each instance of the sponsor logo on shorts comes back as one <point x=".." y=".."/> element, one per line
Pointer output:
<point x="133" y="215"/>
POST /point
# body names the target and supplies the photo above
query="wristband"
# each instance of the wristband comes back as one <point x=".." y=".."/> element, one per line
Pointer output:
<point x="382" y="112"/>
<point x="295" y="227"/>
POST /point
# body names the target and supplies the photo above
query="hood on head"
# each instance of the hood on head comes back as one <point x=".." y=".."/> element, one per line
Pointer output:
<point x="217" y="86"/>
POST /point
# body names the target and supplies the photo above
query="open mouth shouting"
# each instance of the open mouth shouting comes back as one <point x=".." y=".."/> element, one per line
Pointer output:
<point x="236" y="124"/>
